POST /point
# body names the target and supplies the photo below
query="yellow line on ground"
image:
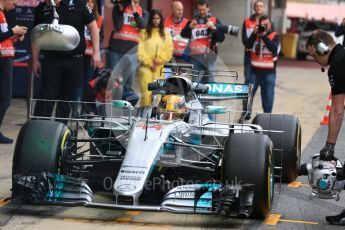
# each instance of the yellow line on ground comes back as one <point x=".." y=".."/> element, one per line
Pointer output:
<point x="133" y="213"/>
<point x="272" y="219"/>
<point x="297" y="184"/>
<point x="123" y="219"/>
<point x="298" y="221"/>
<point x="4" y="201"/>
<point x="12" y="134"/>
<point x="120" y="220"/>
<point x="305" y="185"/>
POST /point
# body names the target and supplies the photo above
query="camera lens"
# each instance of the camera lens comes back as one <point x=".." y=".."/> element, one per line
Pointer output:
<point x="261" y="28"/>
<point x="233" y="30"/>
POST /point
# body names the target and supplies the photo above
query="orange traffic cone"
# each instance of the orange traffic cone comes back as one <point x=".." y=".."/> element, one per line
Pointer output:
<point x="328" y="108"/>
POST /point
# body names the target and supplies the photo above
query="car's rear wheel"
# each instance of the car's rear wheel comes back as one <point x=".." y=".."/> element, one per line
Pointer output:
<point x="247" y="158"/>
<point x="39" y="147"/>
<point x="289" y="141"/>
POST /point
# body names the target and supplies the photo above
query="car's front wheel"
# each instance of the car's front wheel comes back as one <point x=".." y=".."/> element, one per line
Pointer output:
<point x="247" y="159"/>
<point x="39" y="147"/>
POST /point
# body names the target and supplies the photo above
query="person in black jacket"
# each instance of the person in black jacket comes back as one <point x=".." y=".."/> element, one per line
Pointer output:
<point x="203" y="30"/>
<point x="265" y="45"/>
<point x="62" y="71"/>
<point x="322" y="47"/>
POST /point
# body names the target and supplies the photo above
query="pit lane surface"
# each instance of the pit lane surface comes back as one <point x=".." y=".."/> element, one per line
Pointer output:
<point x="301" y="90"/>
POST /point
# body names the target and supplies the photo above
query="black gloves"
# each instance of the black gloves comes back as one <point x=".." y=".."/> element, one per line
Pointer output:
<point x="327" y="152"/>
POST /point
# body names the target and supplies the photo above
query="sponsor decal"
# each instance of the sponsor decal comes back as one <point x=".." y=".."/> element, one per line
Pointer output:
<point x="132" y="172"/>
<point x="126" y="187"/>
<point x="184" y="195"/>
<point x="133" y="166"/>
<point x="226" y="89"/>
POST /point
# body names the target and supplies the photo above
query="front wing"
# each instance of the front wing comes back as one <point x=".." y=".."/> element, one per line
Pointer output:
<point x="48" y="188"/>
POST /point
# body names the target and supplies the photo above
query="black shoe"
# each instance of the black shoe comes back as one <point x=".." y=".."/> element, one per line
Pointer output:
<point x="247" y="117"/>
<point x="244" y="117"/>
<point x="337" y="220"/>
<point x="5" y="140"/>
<point x="302" y="170"/>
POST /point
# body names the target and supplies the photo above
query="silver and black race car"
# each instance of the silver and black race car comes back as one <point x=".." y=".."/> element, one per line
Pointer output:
<point x="189" y="164"/>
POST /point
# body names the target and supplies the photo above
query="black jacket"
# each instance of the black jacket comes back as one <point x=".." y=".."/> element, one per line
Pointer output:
<point x="336" y="71"/>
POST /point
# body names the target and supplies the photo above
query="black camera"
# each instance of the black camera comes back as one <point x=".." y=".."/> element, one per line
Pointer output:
<point x="123" y="2"/>
<point x="231" y="30"/>
<point x="261" y="28"/>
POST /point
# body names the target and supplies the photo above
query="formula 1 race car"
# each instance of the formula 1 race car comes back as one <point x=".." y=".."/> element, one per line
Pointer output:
<point x="175" y="158"/>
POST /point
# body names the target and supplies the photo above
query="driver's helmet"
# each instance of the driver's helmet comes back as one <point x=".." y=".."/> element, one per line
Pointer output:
<point x="172" y="107"/>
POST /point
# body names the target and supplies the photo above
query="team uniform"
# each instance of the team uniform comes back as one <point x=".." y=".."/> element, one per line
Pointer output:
<point x="336" y="71"/>
<point x="62" y="71"/>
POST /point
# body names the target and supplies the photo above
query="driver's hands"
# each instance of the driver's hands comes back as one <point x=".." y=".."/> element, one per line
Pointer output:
<point x="327" y="152"/>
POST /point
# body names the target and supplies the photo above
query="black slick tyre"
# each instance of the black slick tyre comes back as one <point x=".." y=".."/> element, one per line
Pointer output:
<point x="289" y="141"/>
<point x="39" y="146"/>
<point x="247" y="158"/>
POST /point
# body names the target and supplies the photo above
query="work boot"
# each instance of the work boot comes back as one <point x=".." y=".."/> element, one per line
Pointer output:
<point x="5" y="140"/>
<point x="337" y="220"/>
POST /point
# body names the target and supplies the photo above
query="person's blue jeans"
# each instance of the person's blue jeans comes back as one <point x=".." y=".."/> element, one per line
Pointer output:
<point x="247" y="67"/>
<point x="267" y="83"/>
<point x="206" y="65"/>
<point x="125" y="66"/>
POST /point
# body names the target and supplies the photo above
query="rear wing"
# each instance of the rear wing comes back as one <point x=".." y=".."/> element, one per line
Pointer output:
<point x="226" y="91"/>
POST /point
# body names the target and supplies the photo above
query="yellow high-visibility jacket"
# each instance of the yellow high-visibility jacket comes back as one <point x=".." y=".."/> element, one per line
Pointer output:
<point x="150" y="48"/>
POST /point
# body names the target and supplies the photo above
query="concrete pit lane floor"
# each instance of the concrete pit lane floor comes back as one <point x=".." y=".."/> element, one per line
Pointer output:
<point x="301" y="90"/>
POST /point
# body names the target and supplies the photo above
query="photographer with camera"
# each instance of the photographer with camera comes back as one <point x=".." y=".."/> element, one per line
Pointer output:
<point x="265" y="45"/>
<point x="204" y="34"/>
<point x="128" y="18"/>
<point x="248" y="27"/>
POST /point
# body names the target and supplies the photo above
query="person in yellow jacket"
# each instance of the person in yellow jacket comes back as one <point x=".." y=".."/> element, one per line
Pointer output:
<point x="155" y="48"/>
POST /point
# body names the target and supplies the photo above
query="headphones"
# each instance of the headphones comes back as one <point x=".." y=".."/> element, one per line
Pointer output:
<point x="320" y="46"/>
